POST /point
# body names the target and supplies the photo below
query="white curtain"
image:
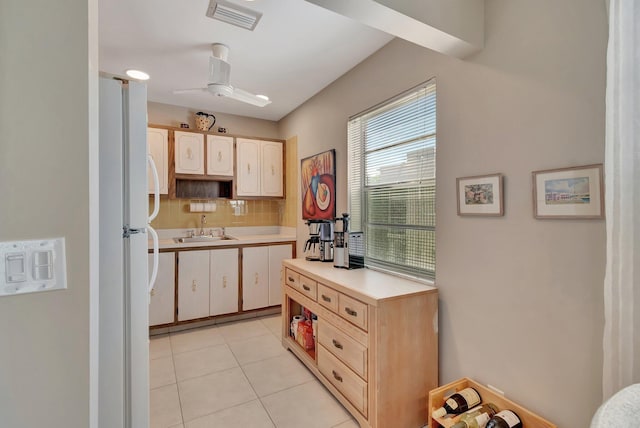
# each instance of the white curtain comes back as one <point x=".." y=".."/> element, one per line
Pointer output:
<point x="621" y="365"/>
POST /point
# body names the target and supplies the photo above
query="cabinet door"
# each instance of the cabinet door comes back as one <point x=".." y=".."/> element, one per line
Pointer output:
<point x="158" y="147"/>
<point x="223" y="281"/>
<point x="277" y="253"/>
<point x="248" y="167"/>
<point x="193" y="285"/>
<point x="272" y="179"/>
<point x="162" y="300"/>
<point x="219" y="155"/>
<point x="189" y="152"/>
<point x="255" y="278"/>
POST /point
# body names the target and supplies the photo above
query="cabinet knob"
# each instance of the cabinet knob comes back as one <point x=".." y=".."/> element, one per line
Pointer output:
<point x="351" y="312"/>
<point x="189" y="153"/>
<point x="193" y="285"/>
<point x="257" y="278"/>
<point x="219" y="156"/>
<point x="273" y="170"/>
<point x="224" y="281"/>
<point x="326" y="298"/>
<point x="249" y="168"/>
<point x="306" y="287"/>
<point x="336" y="376"/>
<point x="336" y="344"/>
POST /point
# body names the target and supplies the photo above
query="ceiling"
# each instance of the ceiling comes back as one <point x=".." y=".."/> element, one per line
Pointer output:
<point x="295" y="51"/>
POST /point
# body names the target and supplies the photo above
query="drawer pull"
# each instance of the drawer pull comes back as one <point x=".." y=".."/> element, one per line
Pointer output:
<point x="336" y="344"/>
<point x="306" y="287"/>
<point x="336" y="376"/>
<point x="351" y="312"/>
<point x="291" y="279"/>
<point x="326" y="299"/>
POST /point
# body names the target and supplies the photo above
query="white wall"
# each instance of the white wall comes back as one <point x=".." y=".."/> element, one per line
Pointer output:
<point x="520" y="299"/>
<point x="44" y="186"/>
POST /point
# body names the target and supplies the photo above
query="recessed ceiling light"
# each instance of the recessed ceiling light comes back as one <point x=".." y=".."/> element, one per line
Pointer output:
<point x="137" y="74"/>
<point x="264" y="97"/>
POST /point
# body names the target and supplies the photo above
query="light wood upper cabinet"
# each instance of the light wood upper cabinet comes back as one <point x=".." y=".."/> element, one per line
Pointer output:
<point x="162" y="299"/>
<point x="272" y="183"/>
<point x="259" y="169"/>
<point x="219" y="155"/>
<point x="193" y="285"/>
<point x="223" y="280"/>
<point x="158" y="148"/>
<point x="189" y="154"/>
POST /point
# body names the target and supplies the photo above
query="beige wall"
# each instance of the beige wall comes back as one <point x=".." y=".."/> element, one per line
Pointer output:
<point x="520" y="299"/>
<point x="170" y="115"/>
<point x="44" y="183"/>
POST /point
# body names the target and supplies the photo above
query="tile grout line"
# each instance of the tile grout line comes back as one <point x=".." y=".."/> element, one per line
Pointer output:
<point x="175" y="374"/>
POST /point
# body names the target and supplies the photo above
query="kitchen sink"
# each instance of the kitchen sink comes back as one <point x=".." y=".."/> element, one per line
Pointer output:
<point x="203" y="238"/>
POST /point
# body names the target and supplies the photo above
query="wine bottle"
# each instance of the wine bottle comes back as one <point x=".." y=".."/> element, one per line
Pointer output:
<point x="458" y="403"/>
<point x="477" y="417"/>
<point x="504" y="419"/>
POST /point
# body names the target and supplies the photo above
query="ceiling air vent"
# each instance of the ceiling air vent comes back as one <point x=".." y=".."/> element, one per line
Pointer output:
<point x="233" y="14"/>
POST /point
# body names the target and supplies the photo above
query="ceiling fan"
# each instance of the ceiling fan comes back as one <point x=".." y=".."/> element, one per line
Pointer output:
<point x="219" y="72"/>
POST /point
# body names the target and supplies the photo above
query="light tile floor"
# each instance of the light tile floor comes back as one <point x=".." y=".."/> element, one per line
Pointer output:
<point x="236" y="375"/>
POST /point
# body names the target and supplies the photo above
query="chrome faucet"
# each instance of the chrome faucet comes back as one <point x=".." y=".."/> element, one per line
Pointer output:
<point x="203" y="221"/>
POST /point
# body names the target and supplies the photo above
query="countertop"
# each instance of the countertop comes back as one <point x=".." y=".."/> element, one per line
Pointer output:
<point x="241" y="235"/>
<point x="368" y="285"/>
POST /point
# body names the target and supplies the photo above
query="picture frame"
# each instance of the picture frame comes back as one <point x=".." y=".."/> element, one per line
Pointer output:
<point x="569" y="193"/>
<point x="480" y="195"/>
<point x="318" y="191"/>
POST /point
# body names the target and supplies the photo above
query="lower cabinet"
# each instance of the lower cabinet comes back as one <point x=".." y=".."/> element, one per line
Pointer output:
<point x="223" y="281"/>
<point x="255" y="278"/>
<point x="162" y="299"/>
<point x="193" y="284"/>
<point x="208" y="282"/>
<point x="262" y="275"/>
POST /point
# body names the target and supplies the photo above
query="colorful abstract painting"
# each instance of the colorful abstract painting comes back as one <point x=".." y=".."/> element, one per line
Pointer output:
<point x="318" y="176"/>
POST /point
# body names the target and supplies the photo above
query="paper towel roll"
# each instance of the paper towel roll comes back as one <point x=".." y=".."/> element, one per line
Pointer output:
<point x="294" y="325"/>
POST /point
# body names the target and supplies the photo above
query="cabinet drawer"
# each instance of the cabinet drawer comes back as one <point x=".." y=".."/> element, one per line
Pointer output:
<point x="347" y="382"/>
<point x="328" y="297"/>
<point x="344" y="347"/>
<point x="308" y="287"/>
<point x="353" y="311"/>
<point x="292" y="279"/>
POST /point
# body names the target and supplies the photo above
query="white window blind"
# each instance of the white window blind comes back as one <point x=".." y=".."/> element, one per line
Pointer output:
<point x="392" y="181"/>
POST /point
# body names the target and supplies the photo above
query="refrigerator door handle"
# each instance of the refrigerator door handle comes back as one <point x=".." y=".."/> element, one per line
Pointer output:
<point x="156" y="189"/>
<point x="154" y="270"/>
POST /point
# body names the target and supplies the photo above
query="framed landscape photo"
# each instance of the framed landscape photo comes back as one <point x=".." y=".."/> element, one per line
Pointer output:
<point x="576" y="192"/>
<point x="480" y="195"/>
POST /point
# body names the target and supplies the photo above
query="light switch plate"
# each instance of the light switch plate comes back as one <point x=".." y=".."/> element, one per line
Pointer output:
<point x="32" y="266"/>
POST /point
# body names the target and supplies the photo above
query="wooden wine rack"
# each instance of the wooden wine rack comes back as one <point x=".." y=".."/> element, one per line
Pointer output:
<point x="438" y="396"/>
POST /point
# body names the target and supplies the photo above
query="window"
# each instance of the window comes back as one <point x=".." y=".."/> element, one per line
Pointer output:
<point x="392" y="181"/>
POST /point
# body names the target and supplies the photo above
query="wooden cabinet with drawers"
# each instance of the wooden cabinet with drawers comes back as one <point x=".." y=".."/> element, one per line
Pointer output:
<point x="376" y="346"/>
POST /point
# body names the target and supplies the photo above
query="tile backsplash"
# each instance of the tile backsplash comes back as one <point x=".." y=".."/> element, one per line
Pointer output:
<point x="175" y="213"/>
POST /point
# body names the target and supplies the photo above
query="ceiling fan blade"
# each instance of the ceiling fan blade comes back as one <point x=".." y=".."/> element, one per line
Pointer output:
<point x="188" y="91"/>
<point x="248" y="97"/>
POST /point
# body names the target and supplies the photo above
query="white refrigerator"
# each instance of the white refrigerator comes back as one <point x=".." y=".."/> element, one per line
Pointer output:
<point x="123" y="236"/>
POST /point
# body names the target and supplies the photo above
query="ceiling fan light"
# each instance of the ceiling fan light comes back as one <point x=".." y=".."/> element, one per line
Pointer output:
<point x="137" y="74"/>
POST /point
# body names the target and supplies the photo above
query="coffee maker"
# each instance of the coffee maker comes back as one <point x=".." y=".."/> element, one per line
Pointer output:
<point x="348" y="247"/>
<point x="326" y="241"/>
<point x="312" y="246"/>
